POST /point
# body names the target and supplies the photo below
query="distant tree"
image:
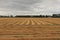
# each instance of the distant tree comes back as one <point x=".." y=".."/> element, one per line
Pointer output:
<point x="56" y="15"/>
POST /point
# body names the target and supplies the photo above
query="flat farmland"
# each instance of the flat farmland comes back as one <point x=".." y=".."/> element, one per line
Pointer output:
<point x="29" y="28"/>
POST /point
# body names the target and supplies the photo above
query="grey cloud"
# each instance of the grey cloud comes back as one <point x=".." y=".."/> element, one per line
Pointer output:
<point x="47" y="7"/>
<point x="17" y="4"/>
<point x="29" y="7"/>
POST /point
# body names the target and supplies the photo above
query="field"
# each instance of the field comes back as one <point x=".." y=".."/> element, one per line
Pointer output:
<point x="29" y="28"/>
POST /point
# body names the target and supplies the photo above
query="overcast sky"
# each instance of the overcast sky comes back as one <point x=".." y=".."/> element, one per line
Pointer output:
<point x="29" y="7"/>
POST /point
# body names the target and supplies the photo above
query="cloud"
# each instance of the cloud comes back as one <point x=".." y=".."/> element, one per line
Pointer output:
<point x="47" y="7"/>
<point x="29" y="7"/>
<point x="23" y="5"/>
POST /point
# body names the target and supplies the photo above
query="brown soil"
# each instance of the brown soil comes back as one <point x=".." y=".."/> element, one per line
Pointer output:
<point x="29" y="28"/>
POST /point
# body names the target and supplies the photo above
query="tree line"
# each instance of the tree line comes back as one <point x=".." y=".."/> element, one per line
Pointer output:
<point x="45" y="16"/>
